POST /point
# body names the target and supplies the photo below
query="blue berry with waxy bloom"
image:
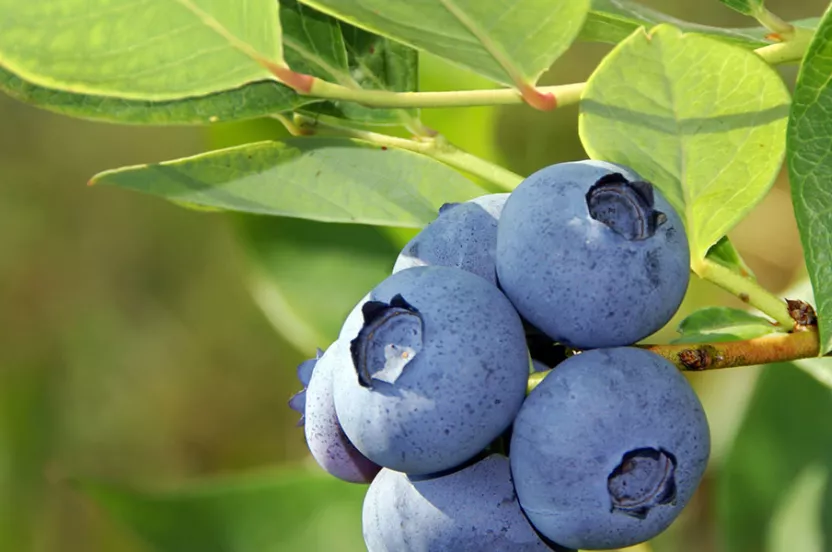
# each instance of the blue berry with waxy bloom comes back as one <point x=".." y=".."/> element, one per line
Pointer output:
<point x="436" y="370"/>
<point x="304" y="371"/>
<point x="325" y="438"/>
<point x="592" y="255"/>
<point x="608" y="449"/>
<point x="464" y="235"/>
<point x="473" y="509"/>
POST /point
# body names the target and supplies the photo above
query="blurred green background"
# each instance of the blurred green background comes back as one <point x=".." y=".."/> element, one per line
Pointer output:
<point x="132" y="348"/>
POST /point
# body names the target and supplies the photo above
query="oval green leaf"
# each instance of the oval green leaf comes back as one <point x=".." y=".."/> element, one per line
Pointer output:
<point x="808" y="145"/>
<point x="509" y="42"/>
<point x="149" y="50"/>
<point x="703" y="120"/>
<point x="253" y="100"/>
<point x="785" y="430"/>
<point x="713" y="324"/>
<point x="325" y="179"/>
<point x="307" y="276"/>
<point x="319" y="45"/>
<point x="268" y="512"/>
<point x="611" y="21"/>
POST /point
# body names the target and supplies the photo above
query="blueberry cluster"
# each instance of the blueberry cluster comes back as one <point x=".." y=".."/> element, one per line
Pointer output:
<point x="423" y="395"/>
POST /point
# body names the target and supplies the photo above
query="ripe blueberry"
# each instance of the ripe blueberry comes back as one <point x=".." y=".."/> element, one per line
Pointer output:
<point x="608" y="449"/>
<point x="592" y="255"/>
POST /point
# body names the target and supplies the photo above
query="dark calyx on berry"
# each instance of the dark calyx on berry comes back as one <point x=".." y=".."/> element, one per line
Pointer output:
<point x="645" y="478"/>
<point x="625" y="207"/>
<point x="388" y="341"/>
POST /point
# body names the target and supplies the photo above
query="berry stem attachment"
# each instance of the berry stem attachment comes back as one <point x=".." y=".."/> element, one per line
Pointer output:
<point x="436" y="146"/>
<point x="697" y="357"/>
<point x="746" y="289"/>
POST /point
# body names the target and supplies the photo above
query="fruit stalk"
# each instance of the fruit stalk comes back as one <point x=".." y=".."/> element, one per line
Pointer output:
<point x="746" y="289"/>
<point x="749" y="352"/>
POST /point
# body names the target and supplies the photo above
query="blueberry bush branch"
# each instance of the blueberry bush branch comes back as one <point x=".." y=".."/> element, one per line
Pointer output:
<point x="565" y="94"/>
<point x="790" y="50"/>
<point x="698" y="357"/>
<point x="750" y="352"/>
<point x="746" y="289"/>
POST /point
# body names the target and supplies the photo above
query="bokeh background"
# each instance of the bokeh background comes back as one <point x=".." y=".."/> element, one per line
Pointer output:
<point x="132" y="348"/>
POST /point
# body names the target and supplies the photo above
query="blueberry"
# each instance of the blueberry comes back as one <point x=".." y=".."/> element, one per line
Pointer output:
<point x="464" y="235"/>
<point x="592" y="255"/>
<point x="436" y="370"/>
<point x="304" y="371"/>
<point x="608" y="449"/>
<point x="324" y="436"/>
<point x="470" y="510"/>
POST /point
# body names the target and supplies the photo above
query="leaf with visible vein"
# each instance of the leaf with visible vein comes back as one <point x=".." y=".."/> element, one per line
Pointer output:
<point x="810" y="166"/>
<point x="140" y="49"/>
<point x="325" y="179"/>
<point x="612" y="21"/>
<point x="320" y="45"/>
<point x="257" y="99"/>
<point x="703" y="120"/>
<point x="509" y="41"/>
<point x="713" y="324"/>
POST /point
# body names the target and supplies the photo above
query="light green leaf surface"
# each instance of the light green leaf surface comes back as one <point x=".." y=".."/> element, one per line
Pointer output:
<point x="748" y="7"/>
<point x="702" y="120"/>
<point x="509" y="41"/>
<point x="809" y="146"/>
<point x="139" y="49"/>
<point x="325" y="179"/>
<point x="320" y="45"/>
<point x="722" y="324"/>
<point x="612" y="21"/>
<point x="307" y="276"/>
<point x="269" y="512"/>
<point x="254" y="100"/>
<point x="785" y="431"/>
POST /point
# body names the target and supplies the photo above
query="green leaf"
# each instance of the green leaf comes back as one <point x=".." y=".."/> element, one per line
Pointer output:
<point x="254" y="100"/>
<point x="703" y="120"/>
<point x="722" y="324"/>
<point x="149" y="50"/>
<point x="307" y="276"/>
<point x="508" y="42"/>
<point x="724" y="253"/>
<point x="747" y="7"/>
<point x="809" y="135"/>
<point x="378" y="63"/>
<point x="611" y="21"/>
<point x="269" y="512"/>
<point x="325" y="179"/>
<point x="319" y="45"/>
<point x="785" y="430"/>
